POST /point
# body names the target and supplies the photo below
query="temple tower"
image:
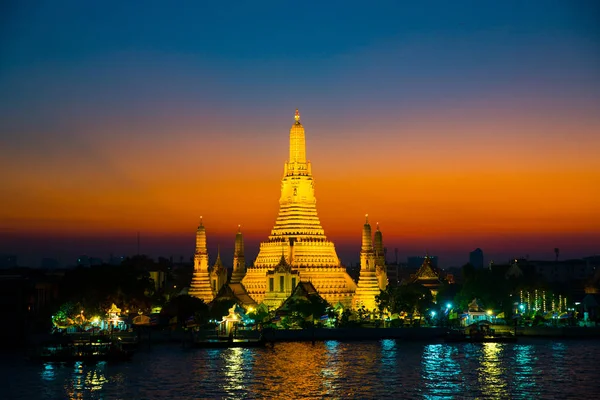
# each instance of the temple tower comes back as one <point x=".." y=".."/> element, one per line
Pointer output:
<point x="368" y="284"/>
<point x="201" y="285"/>
<point x="298" y="230"/>
<point x="380" y="267"/>
<point x="218" y="275"/>
<point x="239" y="261"/>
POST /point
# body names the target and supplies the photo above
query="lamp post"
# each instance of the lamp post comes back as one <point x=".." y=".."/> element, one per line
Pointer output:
<point x="522" y="309"/>
<point x="432" y="315"/>
<point x="448" y="310"/>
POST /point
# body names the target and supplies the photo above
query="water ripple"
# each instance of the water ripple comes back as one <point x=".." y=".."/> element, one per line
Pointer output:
<point x="331" y="369"/>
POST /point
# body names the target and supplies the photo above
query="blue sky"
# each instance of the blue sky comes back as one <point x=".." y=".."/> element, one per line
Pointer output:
<point x="79" y="80"/>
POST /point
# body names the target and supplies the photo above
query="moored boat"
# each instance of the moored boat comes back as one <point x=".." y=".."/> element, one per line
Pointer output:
<point x="65" y="349"/>
<point x="456" y="338"/>
<point x="479" y="334"/>
<point x="226" y="343"/>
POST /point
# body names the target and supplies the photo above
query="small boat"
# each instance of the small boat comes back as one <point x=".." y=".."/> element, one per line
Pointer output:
<point x="453" y="338"/>
<point x="64" y="349"/>
<point x="479" y="334"/>
<point x="227" y="343"/>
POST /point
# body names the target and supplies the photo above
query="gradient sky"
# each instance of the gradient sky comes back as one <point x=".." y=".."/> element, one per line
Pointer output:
<point x="454" y="124"/>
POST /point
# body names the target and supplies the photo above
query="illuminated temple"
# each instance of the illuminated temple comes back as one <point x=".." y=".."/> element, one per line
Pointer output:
<point x="297" y="250"/>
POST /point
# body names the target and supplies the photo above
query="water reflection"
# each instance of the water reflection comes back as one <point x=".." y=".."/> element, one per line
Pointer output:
<point x="558" y="356"/>
<point x="48" y="373"/>
<point x="330" y="373"/>
<point x="95" y="379"/>
<point x="491" y="375"/>
<point x="441" y="373"/>
<point x="384" y="369"/>
<point x="237" y="365"/>
<point x="388" y="357"/>
<point x="85" y="379"/>
<point x="523" y="369"/>
<point x="293" y="371"/>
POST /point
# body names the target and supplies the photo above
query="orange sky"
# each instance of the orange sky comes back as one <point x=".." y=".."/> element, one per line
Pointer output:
<point x="426" y="181"/>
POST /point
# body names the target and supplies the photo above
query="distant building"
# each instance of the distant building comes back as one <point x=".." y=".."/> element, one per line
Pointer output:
<point x="476" y="258"/>
<point x="85" y="261"/>
<point x="571" y="275"/>
<point x="428" y="277"/>
<point x="396" y="272"/>
<point x="565" y="271"/>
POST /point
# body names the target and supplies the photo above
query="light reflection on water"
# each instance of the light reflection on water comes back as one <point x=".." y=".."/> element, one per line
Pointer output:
<point x="492" y="377"/>
<point x="441" y="373"/>
<point x="331" y="369"/>
<point x="330" y="373"/>
<point x="525" y="368"/>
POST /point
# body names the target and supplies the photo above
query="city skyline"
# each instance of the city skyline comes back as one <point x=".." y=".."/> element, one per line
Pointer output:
<point x="452" y="133"/>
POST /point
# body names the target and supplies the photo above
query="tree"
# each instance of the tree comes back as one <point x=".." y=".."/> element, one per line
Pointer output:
<point x="220" y="308"/>
<point x="183" y="307"/>
<point x="95" y="288"/>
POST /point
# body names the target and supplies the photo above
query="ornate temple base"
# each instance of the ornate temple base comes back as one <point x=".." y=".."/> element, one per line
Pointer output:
<point x="201" y="287"/>
<point x="255" y="283"/>
<point x="367" y="289"/>
<point x="333" y="283"/>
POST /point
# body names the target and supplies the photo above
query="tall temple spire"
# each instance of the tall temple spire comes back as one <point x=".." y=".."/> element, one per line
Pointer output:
<point x="239" y="260"/>
<point x="297" y="160"/>
<point x="367" y="243"/>
<point x="201" y="244"/>
<point x="218" y="274"/>
<point x="239" y="242"/>
<point x="200" y="286"/>
<point x="378" y="243"/>
<point x="368" y="286"/>
<point x="380" y="266"/>
<point x="218" y="262"/>
<point x="298" y="234"/>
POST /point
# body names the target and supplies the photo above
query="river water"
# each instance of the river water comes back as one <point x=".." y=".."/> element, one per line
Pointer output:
<point x="535" y="369"/>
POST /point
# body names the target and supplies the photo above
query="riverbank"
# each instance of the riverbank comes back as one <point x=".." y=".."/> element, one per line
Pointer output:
<point x="431" y="334"/>
<point x="567" y="332"/>
<point x="419" y="333"/>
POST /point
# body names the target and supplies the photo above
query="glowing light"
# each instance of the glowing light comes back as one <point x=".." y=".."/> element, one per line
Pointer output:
<point x="489" y="312"/>
<point x="448" y="305"/>
<point x="433" y="314"/>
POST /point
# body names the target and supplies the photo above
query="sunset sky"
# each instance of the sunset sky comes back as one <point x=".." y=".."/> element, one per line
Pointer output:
<point x="456" y="125"/>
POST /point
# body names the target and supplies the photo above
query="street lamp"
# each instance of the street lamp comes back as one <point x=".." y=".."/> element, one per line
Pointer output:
<point x="448" y="308"/>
